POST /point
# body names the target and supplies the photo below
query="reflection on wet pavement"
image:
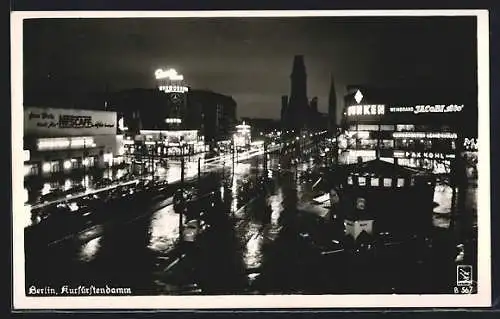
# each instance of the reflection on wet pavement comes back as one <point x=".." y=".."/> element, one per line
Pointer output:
<point x="164" y="229"/>
<point x="89" y="250"/>
<point x="253" y="253"/>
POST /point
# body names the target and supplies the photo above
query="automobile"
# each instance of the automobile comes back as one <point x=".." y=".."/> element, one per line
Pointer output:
<point x="75" y="190"/>
<point x="53" y="195"/>
<point x="58" y="212"/>
<point x="181" y="198"/>
<point x="192" y="229"/>
<point x="103" y="183"/>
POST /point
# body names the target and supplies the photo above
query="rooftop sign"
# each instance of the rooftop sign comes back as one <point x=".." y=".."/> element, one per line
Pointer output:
<point x="437" y="108"/>
<point x="170" y="74"/>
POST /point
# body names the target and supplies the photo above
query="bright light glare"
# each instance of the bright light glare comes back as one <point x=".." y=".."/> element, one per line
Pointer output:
<point x="168" y="74"/>
<point x="46" y="167"/>
<point x="67" y="165"/>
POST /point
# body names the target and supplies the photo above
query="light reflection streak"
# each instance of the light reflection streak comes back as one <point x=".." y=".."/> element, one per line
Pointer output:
<point x="276" y="207"/>
<point x="91" y="232"/>
<point x="252" y="256"/>
<point x="442" y="197"/>
<point x="46" y="188"/>
<point x="164" y="229"/>
<point x="89" y="251"/>
<point x="67" y="184"/>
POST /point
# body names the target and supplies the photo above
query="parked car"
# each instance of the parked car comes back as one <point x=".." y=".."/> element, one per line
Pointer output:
<point x="75" y="190"/>
<point x="193" y="229"/>
<point x="53" y="195"/>
<point x="103" y="183"/>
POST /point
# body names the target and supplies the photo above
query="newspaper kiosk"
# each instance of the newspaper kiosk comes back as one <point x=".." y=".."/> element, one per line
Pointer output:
<point x="380" y="198"/>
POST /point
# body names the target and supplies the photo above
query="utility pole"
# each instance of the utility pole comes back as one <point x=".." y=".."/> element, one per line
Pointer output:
<point x="199" y="181"/>
<point x="233" y="151"/>
<point x="265" y="157"/>
<point x="84" y="158"/>
<point x="152" y="161"/>
<point x="181" y="223"/>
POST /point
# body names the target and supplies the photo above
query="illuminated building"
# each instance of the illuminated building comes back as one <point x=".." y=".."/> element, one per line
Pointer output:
<point x="242" y="138"/>
<point x="172" y="142"/>
<point x="173" y="85"/>
<point x="212" y="114"/>
<point x="58" y="141"/>
<point x="421" y="128"/>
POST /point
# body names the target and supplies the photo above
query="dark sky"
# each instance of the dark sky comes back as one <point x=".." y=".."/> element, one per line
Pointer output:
<point x="249" y="58"/>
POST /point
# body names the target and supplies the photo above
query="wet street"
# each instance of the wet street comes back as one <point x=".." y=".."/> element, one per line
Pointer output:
<point x="279" y="241"/>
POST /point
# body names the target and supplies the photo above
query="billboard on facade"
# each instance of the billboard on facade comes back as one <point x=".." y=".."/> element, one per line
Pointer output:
<point x="50" y="122"/>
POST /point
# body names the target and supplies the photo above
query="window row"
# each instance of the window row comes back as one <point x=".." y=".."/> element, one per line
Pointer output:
<point x="379" y="181"/>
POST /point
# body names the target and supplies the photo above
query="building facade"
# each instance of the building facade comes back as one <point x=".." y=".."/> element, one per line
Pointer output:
<point x="417" y="128"/>
<point x="58" y="141"/>
<point x="213" y="114"/>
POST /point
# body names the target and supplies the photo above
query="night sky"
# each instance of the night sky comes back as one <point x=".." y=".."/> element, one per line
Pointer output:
<point x="248" y="58"/>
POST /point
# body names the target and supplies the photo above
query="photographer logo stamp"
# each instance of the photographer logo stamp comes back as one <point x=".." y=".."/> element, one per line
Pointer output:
<point x="464" y="275"/>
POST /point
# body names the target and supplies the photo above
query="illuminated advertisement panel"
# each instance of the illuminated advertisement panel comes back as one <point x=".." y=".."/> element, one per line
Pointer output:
<point x="49" y="122"/>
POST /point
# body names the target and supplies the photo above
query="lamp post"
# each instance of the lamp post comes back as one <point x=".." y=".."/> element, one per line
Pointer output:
<point x="83" y="162"/>
<point x="181" y="222"/>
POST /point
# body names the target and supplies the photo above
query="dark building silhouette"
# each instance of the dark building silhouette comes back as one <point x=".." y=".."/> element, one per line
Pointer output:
<point x="332" y="107"/>
<point x="313" y="114"/>
<point x="284" y="108"/>
<point x="261" y="125"/>
<point x="141" y="108"/>
<point x="296" y="115"/>
<point x="316" y="121"/>
<point x="213" y="114"/>
<point x="313" y="105"/>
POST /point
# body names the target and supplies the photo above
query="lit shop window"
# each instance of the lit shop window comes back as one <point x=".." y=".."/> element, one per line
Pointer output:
<point x="64" y="143"/>
<point x="374" y="181"/>
<point x="88" y="162"/>
<point x="365" y="127"/>
<point x="400" y="182"/>
<point x="46" y="167"/>
<point x="27" y="170"/>
<point x="387" y="127"/>
<point x="349" y="180"/>
<point x="362" y="181"/>
<point x="362" y="134"/>
<point x="67" y="165"/>
<point x="108" y="158"/>
<point x="368" y="144"/>
<point x="74" y="163"/>
<point x="387" y="182"/>
<point x="405" y="128"/>
<point x="387" y="144"/>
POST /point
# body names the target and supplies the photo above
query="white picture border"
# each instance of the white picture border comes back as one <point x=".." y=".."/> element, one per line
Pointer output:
<point x="481" y="299"/>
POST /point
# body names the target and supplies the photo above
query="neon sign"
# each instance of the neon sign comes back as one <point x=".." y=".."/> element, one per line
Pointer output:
<point x="471" y="144"/>
<point x="170" y="74"/>
<point x="173" y="121"/>
<point x="436" y="135"/>
<point x="370" y="109"/>
<point x="429" y="155"/>
<point x="437" y="108"/>
<point x="173" y="88"/>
